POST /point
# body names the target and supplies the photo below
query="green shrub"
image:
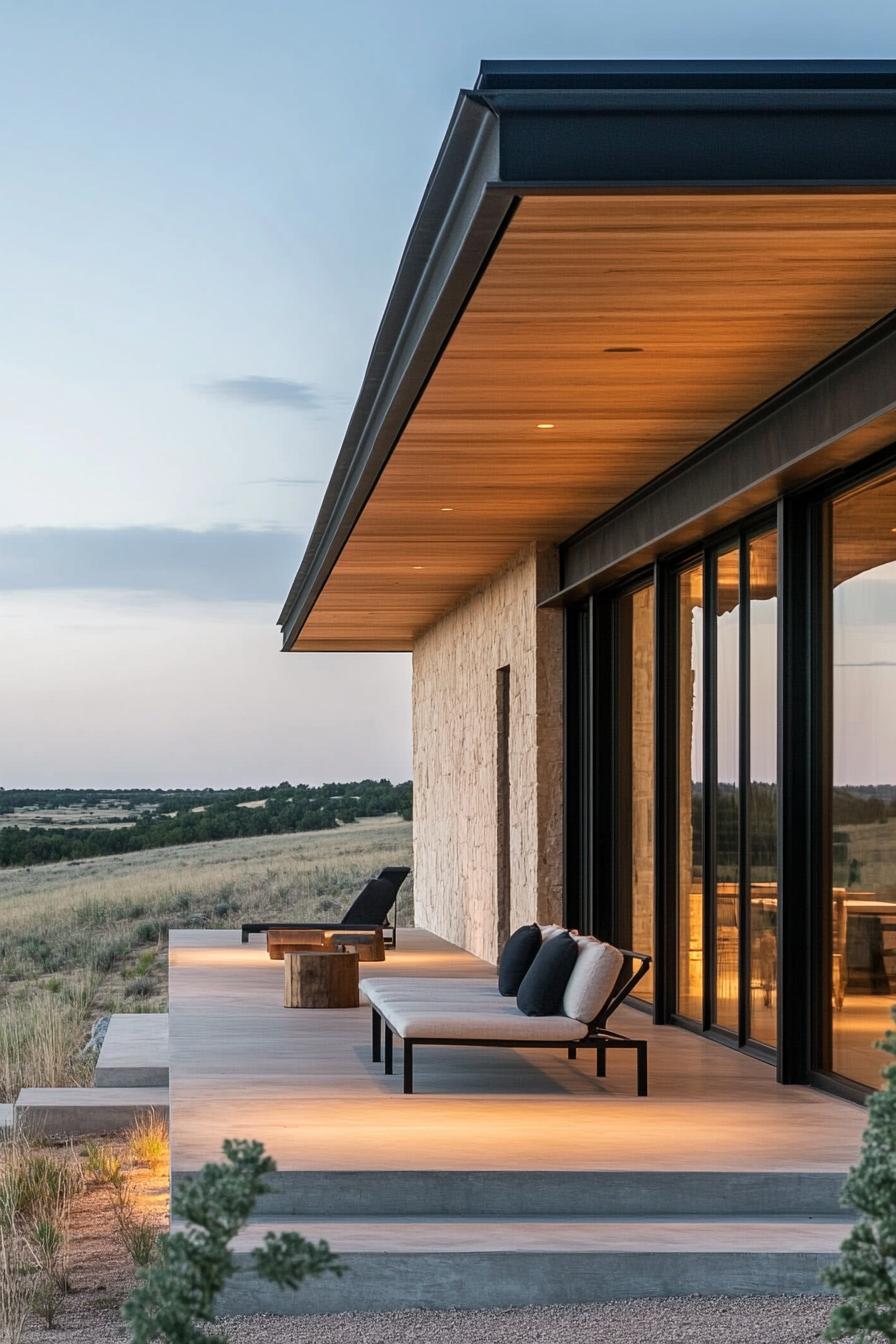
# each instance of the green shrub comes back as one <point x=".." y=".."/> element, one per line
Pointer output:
<point x="150" y="931"/>
<point x="140" y="988"/>
<point x="109" y="953"/>
<point x="866" y="1273"/>
<point x="175" y="1296"/>
<point x="39" y="952"/>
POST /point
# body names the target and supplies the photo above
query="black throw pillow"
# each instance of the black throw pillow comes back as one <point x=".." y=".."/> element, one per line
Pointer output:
<point x="519" y="952"/>
<point x="541" y="993"/>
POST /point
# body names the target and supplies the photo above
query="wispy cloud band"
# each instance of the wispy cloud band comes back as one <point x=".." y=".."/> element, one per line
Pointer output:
<point x="222" y="563"/>
<point x="258" y="390"/>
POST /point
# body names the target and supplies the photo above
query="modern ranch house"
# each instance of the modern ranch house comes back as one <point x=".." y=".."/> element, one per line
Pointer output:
<point x="622" y="478"/>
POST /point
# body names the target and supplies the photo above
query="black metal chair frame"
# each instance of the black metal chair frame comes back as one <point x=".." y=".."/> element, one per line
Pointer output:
<point x="599" y="1038"/>
<point x="365" y="926"/>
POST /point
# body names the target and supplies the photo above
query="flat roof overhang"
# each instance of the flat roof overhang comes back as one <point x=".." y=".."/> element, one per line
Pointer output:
<point x="650" y="258"/>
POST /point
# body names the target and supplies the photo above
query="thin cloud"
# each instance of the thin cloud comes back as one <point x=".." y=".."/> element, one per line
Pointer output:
<point x="220" y="564"/>
<point x="261" y="391"/>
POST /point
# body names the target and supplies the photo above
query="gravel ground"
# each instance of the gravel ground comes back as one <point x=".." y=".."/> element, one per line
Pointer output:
<point x="694" y="1320"/>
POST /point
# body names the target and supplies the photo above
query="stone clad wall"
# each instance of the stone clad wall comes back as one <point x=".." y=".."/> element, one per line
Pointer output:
<point x="455" y="757"/>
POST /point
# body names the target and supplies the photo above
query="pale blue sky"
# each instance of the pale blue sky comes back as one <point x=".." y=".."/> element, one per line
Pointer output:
<point x="202" y="209"/>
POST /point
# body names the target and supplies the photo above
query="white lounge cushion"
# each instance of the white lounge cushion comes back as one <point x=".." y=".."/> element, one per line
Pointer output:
<point x="420" y="983"/>
<point x="380" y="989"/>
<point x="550" y="931"/>
<point x="593" y="978"/>
<point x="501" y="1022"/>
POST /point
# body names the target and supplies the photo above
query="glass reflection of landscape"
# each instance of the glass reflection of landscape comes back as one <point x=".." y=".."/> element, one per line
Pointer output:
<point x="863" y="800"/>
<point x="762" y="803"/>
<point x="690" y="793"/>
<point x="727" y="794"/>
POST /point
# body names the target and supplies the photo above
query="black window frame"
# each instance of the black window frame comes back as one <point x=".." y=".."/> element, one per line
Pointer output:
<point x="802" y="520"/>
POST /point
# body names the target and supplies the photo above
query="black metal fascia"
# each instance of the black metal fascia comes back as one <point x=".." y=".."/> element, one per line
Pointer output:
<point x="703" y="138"/>
<point x="495" y="75"/>
<point x="451" y="238"/>
<point x="852" y="388"/>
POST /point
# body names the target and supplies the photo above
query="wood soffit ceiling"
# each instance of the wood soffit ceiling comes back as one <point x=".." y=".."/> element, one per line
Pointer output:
<point x="639" y="327"/>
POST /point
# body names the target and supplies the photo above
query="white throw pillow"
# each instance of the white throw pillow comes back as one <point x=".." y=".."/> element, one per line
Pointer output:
<point x="550" y="931"/>
<point x="593" y="978"/>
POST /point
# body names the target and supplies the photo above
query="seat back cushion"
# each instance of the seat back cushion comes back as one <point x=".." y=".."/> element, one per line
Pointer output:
<point x="593" y="978"/>
<point x="541" y="993"/>
<point x="518" y="954"/>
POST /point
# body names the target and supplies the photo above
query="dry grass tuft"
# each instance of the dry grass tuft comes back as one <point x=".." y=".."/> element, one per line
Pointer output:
<point x="40" y="1038"/>
<point x="36" y="1192"/>
<point x="17" y="1286"/>
<point x="147" y="1141"/>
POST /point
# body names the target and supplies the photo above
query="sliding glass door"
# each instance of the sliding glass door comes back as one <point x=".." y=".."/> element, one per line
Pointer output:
<point x="862" y="781"/>
<point x="678" y="771"/>
<point x="726" y="777"/>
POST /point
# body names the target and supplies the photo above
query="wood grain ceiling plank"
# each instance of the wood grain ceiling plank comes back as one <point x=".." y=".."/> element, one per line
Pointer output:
<point x="729" y="297"/>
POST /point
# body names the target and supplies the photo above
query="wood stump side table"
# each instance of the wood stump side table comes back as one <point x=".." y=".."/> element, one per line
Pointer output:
<point x="320" y="979"/>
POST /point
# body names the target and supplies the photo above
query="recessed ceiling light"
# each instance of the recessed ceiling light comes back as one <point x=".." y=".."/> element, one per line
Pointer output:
<point x="623" y="349"/>
<point x="545" y="424"/>
<point x="416" y="566"/>
<point x="447" y="508"/>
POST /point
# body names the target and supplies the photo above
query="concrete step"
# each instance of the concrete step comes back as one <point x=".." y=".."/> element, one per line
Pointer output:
<point x="502" y="1194"/>
<point x="71" y="1112"/>
<point x="442" y="1262"/>
<point x="134" y="1052"/>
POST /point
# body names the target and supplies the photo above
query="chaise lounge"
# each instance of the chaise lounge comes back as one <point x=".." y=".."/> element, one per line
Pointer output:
<point x="369" y="910"/>
<point x="584" y="988"/>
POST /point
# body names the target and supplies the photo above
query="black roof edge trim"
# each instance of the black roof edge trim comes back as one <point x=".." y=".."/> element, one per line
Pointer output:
<point x="496" y="75"/>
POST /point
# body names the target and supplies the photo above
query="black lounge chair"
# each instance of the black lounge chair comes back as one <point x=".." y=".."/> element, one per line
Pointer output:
<point x="369" y="910"/>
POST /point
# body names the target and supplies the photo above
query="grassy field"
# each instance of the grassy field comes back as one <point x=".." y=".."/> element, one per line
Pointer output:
<point x="88" y="937"/>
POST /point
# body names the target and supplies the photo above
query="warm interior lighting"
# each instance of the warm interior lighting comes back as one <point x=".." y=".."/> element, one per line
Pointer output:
<point x="545" y="424"/>
<point x="416" y="566"/>
<point x="446" y="508"/>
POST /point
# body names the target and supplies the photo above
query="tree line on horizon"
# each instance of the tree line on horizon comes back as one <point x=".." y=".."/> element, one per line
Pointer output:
<point x="173" y="820"/>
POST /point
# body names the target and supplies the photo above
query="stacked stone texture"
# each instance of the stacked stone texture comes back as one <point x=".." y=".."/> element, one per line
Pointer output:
<point x="455" y="757"/>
